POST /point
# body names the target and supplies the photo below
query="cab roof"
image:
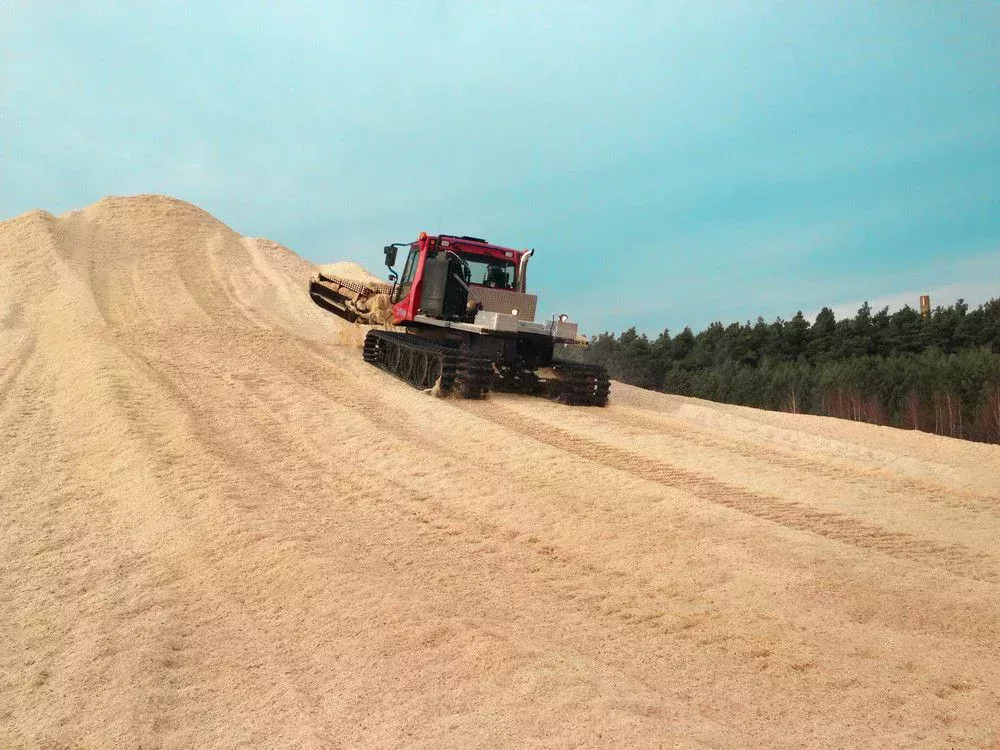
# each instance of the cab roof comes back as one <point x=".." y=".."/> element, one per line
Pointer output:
<point x="477" y="244"/>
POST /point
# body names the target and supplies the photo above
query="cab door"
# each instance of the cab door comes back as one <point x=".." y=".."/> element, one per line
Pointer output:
<point x="406" y="279"/>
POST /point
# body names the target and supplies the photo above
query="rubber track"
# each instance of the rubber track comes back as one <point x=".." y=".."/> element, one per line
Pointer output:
<point x="519" y="381"/>
<point x="471" y="376"/>
<point x="379" y="343"/>
<point x="474" y="377"/>
<point x="582" y="384"/>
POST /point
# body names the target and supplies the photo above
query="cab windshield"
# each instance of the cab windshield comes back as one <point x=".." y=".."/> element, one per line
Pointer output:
<point x="491" y="272"/>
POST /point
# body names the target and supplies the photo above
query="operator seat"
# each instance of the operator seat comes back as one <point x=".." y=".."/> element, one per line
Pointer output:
<point x="496" y="277"/>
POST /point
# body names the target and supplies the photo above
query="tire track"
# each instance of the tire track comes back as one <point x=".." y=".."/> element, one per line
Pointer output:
<point x="539" y="563"/>
<point x="140" y="395"/>
<point x="447" y="524"/>
<point x="11" y="373"/>
<point x="938" y="493"/>
<point x="543" y="568"/>
<point x="229" y="327"/>
<point x="955" y="559"/>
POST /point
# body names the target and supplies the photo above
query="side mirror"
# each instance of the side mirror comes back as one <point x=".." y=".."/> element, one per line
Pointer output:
<point x="390" y="255"/>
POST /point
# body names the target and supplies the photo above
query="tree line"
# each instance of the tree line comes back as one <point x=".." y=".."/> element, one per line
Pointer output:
<point x="939" y="373"/>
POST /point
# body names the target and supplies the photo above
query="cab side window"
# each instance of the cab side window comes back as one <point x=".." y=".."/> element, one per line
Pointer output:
<point x="406" y="280"/>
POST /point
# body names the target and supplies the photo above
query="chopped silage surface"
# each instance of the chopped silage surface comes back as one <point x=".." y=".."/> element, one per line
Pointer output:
<point x="378" y="306"/>
<point x="219" y="527"/>
<point x="380" y="309"/>
<point x="351" y="271"/>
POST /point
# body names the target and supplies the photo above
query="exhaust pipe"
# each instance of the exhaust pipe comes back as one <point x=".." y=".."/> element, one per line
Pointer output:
<point x="522" y="282"/>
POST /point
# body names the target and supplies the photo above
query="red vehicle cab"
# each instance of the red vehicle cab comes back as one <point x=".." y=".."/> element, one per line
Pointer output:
<point x="475" y="263"/>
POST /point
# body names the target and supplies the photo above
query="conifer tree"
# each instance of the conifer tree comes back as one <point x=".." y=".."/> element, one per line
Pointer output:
<point x="940" y="374"/>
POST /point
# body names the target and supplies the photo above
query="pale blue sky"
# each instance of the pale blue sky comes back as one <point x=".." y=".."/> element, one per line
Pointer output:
<point x="672" y="163"/>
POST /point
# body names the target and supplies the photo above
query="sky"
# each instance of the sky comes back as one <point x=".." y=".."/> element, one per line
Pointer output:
<point x="672" y="164"/>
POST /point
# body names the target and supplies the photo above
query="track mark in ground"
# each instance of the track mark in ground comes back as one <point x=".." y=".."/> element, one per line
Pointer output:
<point x="10" y="371"/>
<point x="955" y="559"/>
<point x="938" y="493"/>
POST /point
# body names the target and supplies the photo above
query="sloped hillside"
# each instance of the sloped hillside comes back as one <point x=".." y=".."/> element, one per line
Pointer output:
<point x="219" y="527"/>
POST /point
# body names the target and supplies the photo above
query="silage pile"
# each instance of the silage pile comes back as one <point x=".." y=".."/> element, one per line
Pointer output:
<point x="351" y="271"/>
<point x="380" y="309"/>
<point x="219" y="527"/>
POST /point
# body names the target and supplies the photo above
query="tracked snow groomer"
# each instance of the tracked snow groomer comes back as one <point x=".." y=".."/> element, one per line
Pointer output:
<point x="466" y="323"/>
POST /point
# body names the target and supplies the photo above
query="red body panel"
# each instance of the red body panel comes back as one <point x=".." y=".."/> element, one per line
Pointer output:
<point x="408" y="307"/>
